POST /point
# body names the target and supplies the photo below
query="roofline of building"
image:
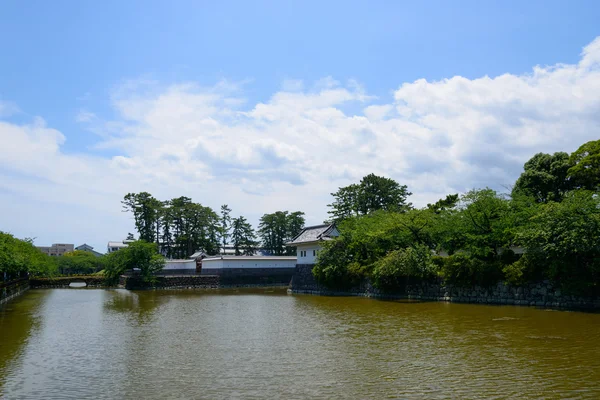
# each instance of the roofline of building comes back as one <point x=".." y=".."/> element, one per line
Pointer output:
<point x="329" y="227"/>
<point x="294" y="244"/>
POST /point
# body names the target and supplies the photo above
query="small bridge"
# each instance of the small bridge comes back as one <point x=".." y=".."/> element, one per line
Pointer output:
<point x="67" y="281"/>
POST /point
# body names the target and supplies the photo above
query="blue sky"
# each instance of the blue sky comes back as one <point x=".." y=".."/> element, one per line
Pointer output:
<point x="112" y="85"/>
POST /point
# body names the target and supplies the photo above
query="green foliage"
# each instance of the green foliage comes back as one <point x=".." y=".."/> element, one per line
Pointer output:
<point x="145" y="209"/>
<point x="278" y="228"/>
<point x="225" y="224"/>
<point x="139" y="255"/>
<point x="179" y="226"/>
<point x="367" y="239"/>
<point x="399" y="266"/>
<point x="442" y="205"/>
<point x="480" y="226"/>
<point x="373" y="193"/>
<point x="544" y="177"/>
<point x="79" y="262"/>
<point x="462" y="269"/>
<point x="335" y="267"/>
<point x="18" y="257"/>
<point x="243" y="237"/>
<point x="585" y="166"/>
<point x="562" y="239"/>
<point x="518" y="273"/>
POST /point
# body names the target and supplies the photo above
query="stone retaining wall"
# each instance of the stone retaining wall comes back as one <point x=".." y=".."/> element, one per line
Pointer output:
<point x="542" y="294"/>
<point x="10" y="290"/>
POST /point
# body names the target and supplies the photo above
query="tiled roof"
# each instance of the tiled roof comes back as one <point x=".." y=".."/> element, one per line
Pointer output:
<point x="314" y="234"/>
<point x="198" y="254"/>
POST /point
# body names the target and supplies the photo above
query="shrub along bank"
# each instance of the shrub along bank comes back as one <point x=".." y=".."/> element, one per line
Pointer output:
<point x="546" y="229"/>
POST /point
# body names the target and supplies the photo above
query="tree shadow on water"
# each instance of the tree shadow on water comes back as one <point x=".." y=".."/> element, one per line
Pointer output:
<point x="142" y="304"/>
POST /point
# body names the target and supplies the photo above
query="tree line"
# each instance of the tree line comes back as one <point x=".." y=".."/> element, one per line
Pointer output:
<point x="546" y="228"/>
<point x="180" y="227"/>
<point x="19" y="258"/>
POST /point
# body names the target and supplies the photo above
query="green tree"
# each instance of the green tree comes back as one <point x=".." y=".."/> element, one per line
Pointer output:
<point x="243" y="237"/>
<point x="146" y="212"/>
<point x="561" y="242"/>
<point x="79" y="262"/>
<point x="584" y="172"/>
<point x="371" y="194"/>
<point x="449" y="202"/>
<point x="479" y="227"/>
<point x="544" y="177"/>
<point x="20" y="257"/>
<point x="398" y="267"/>
<point x="225" y="225"/>
<point x="139" y="255"/>
<point x="277" y="229"/>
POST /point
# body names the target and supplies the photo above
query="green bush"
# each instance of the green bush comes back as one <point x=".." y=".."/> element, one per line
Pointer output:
<point x="399" y="266"/>
<point x="335" y="269"/>
<point x="514" y="274"/>
<point x="464" y="270"/>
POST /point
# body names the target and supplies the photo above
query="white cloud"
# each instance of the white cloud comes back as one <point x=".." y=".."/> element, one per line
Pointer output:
<point x="290" y="152"/>
<point x="85" y="116"/>
<point x="7" y="109"/>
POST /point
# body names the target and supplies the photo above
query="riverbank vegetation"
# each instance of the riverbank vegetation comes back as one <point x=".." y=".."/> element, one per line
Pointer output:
<point x="20" y="258"/>
<point x="547" y="228"/>
<point x="139" y="257"/>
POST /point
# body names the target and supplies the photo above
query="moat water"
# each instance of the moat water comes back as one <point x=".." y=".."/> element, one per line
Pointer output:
<point x="257" y="344"/>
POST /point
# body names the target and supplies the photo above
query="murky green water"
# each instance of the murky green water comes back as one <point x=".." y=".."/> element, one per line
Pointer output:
<point x="116" y="344"/>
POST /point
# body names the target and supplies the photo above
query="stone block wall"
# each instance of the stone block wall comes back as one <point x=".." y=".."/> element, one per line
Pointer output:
<point x="541" y="294"/>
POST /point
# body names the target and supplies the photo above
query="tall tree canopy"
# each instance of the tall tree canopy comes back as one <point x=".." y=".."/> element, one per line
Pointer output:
<point x="278" y="228"/>
<point x="179" y="226"/>
<point x="146" y="212"/>
<point x="585" y="166"/>
<point x="371" y="194"/>
<point x="225" y="224"/>
<point x="243" y="237"/>
<point x="544" y="177"/>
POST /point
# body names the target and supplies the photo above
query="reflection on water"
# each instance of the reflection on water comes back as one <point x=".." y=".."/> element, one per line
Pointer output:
<point x="266" y="344"/>
<point x="17" y="321"/>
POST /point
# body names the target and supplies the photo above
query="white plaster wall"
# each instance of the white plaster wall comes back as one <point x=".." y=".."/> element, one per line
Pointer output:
<point x="170" y="264"/>
<point x="248" y="263"/>
<point x="310" y="257"/>
<point x="212" y="264"/>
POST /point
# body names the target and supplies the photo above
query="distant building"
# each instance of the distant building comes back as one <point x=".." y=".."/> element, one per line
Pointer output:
<point x="88" y="248"/>
<point x="116" y="246"/>
<point x="309" y="241"/>
<point x="57" y="249"/>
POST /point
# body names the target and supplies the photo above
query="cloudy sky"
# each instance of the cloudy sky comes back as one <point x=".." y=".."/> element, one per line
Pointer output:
<point x="274" y="105"/>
